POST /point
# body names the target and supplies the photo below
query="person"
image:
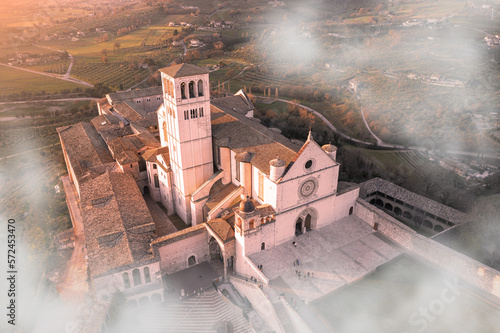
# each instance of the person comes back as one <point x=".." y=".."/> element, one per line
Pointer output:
<point x="294" y="243"/>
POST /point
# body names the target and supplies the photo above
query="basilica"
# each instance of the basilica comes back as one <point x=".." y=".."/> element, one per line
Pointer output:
<point x="246" y="193"/>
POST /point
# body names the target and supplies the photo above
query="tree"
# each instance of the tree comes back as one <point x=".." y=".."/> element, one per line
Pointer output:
<point x="176" y="32"/>
<point x="230" y="73"/>
<point x="117" y="45"/>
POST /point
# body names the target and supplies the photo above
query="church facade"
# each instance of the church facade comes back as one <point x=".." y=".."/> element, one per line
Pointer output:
<point x="215" y="160"/>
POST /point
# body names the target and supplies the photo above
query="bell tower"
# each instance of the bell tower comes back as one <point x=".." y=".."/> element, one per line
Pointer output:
<point x="186" y="129"/>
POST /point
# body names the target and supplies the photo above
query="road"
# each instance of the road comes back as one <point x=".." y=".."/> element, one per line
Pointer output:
<point x="55" y="76"/>
<point x="379" y="141"/>
<point x="66" y="77"/>
<point x="53" y="100"/>
<point x="234" y="77"/>
<point x="27" y="151"/>
<point x="73" y="285"/>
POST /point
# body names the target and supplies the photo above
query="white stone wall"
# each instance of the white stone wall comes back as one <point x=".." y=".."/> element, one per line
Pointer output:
<point x="262" y="234"/>
<point x="106" y="286"/>
<point x="174" y="256"/>
<point x="153" y="190"/>
<point x="468" y="269"/>
<point x="260" y="303"/>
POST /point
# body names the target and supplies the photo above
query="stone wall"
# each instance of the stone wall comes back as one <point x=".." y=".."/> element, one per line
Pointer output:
<point x="178" y="247"/>
<point x="469" y="270"/>
<point x="260" y="303"/>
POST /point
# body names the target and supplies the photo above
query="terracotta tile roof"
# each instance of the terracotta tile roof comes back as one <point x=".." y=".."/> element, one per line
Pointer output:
<point x="244" y="135"/>
<point x="85" y="149"/>
<point x="181" y="70"/>
<point x="235" y="103"/>
<point x="117" y="223"/>
<point x="125" y="149"/>
<point x="105" y="122"/>
<point x="222" y="229"/>
<point x="127" y="112"/>
<point x="139" y="93"/>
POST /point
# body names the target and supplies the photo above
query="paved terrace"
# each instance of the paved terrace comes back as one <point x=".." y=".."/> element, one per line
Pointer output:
<point x="334" y="256"/>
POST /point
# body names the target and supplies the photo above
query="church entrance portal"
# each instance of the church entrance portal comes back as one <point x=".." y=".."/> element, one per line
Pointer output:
<point x="308" y="222"/>
<point x="298" y="227"/>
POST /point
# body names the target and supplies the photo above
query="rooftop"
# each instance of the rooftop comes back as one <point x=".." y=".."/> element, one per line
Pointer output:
<point x="85" y="149"/>
<point x="131" y="94"/>
<point x="117" y="223"/>
<point x="181" y="70"/>
<point x="246" y="135"/>
<point x="236" y="103"/>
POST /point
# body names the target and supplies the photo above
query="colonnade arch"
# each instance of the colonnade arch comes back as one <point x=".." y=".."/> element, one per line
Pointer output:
<point x="410" y="214"/>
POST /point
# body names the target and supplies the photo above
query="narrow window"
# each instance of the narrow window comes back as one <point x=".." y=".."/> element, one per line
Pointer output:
<point x="262" y="246"/>
<point x="200" y="89"/>
<point x="148" y="100"/>
<point x="154" y="166"/>
<point x="147" y="276"/>
<point x="201" y="112"/>
<point x="261" y="186"/>
<point x="157" y="183"/>
<point x="237" y="171"/>
<point x="191" y="90"/>
<point x="183" y="90"/>
<point x="191" y="261"/>
<point x="126" y="280"/>
<point x="136" y="274"/>
<point x="171" y="84"/>
<point x="186" y="115"/>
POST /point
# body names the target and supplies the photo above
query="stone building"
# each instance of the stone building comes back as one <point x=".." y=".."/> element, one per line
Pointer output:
<point x="245" y="192"/>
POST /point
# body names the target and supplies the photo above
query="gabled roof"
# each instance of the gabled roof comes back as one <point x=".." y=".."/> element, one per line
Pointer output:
<point x="131" y="94"/>
<point x="238" y="103"/>
<point x="181" y="70"/>
<point x="85" y="149"/>
<point x="117" y="223"/>
<point x="222" y="229"/>
<point x="243" y="134"/>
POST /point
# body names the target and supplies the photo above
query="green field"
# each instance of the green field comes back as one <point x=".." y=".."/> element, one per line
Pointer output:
<point x="11" y="50"/>
<point x="16" y="81"/>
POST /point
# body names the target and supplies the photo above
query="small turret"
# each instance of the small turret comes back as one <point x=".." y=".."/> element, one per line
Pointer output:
<point x="276" y="169"/>
<point x="331" y="150"/>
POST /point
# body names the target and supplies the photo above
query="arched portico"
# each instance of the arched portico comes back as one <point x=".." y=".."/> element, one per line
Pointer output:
<point x="306" y="221"/>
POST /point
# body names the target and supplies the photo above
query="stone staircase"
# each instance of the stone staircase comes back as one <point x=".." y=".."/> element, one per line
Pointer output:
<point x="191" y="315"/>
<point x="284" y="317"/>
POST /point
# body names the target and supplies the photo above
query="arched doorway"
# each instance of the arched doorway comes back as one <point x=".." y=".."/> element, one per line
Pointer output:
<point x="156" y="298"/>
<point x="145" y="190"/>
<point x="298" y="227"/>
<point x="191" y="261"/>
<point x="143" y="301"/>
<point x="308" y="222"/>
<point x="214" y="248"/>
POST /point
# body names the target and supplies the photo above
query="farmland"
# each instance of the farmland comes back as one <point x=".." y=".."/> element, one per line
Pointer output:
<point x="17" y="81"/>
